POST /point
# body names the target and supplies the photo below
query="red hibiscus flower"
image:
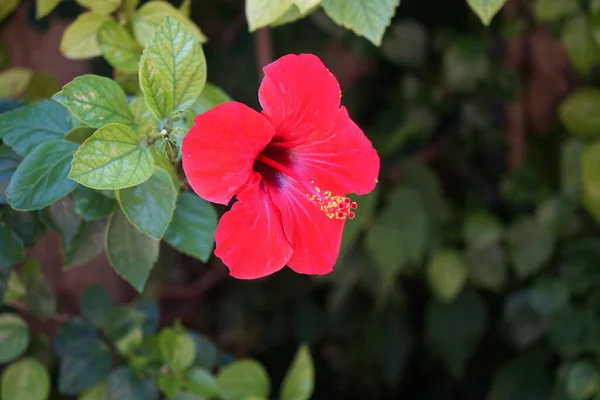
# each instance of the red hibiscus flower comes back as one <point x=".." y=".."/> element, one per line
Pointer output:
<point x="290" y="168"/>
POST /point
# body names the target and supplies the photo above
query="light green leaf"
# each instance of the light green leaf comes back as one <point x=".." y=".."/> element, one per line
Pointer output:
<point x="118" y="47"/>
<point x="42" y="177"/>
<point x="7" y="7"/>
<point x="481" y="229"/>
<point x="112" y="158"/>
<point x="42" y="86"/>
<point x="152" y="14"/>
<point x="192" y="228"/>
<point x="85" y="363"/>
<point x="98" y="392"/>
<point x="447" y="275"/>
<point x="305" y="5"/>
<point x="79" y="134"/>
<point x="45" y="7"/>
<point x="12" y="288"/>
<point x="179" y="60"/>
<point x="9" y="161"/>
<point x="29" y="126"/>
<point x="201" y="382"/>
<point x="366" y="18"/>
<point x="581" y="48"/>
<point x="101" y="6"/>
<point x="91" y="204"/>
<point x="299" y="382"/>
<point x="80" y="40"/>
<point x="11" y="248"/>
<point x="486" y="9"/>
<point x="131" y="253"/>
<point x="530" y="246"/>
<point x="242" y="379"/>
<point x="26" y="379"/>
<point x="578" y="112"/>
<point x="14" y="337"/>
<point x="87" y="243"/>
<point x="261" y="13"/>
<point x="14" y="81"/>
<point x="177" y="349"/>
<point x="454" y="330"/>
<point x="210" y="97"/>
<point x="590" y="175"/>
<point x="554" y="10"/>
<point x="95" y="101"/>
<point x="156" y="90"/>
<point x="186" y="8"/>
<point x="149" y="206"/>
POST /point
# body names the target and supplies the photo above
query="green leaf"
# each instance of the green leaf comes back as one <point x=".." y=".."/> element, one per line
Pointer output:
<point x="14" y="81"/>
<point x="481" y="229"/>
<point x="85" y="363"/>
<point x="524" y="378"/>
<point x="242" y="379"/>
<point x="156" y="90"/>
<point x="192" y="228"/>
<point x="91" y="204"/>
<point x="487" y="266"/>
<point x="96" y="305"/>
<point x="14" y="337"/>
<point x="379" y="240"/>
<point x="26" y="379"/>
<point x="570" y="167"/>
<point x="98" y="392"/>
<point x="299" y="381"/>
<point x="96" y="101"/>
<point x="86" y="245"/>
<point x="101" y="6"/>
<point x="581" y="48"/>
<point x="131" y="253"/>
<point x="454" y="329"/>
<point x="149" y="206"/>
<point x="112" y="158"/>
<point x="11" y="248"/>
<point x="169" y="384"/>
<point x="554" y="10"/>
<point x="9" y="161"/>
<point x="261" y="13"/>
<point x="583" y="380"/>
<point x="201" y="382"/>
<point x="124" y="384"/>
<point x="7" y="7"/>
<point x="12" y="288"/>
<point x="206" y="351"/>
<point x="365" y="17"/>
<point x="179" y="60"/>
<point x="29" y="126"/>
<point x="79" y="134"/>
<point x="80" y="40"/>
<point x="574" y="331"/>
<point x="42" y="177"/>
<point x="42" y="86"/>
<point x="61" y="217"/>
<point x="40" y="300"/>
<point x="590" y="175"/>
<point x="578" y="112"/>
<point x="118" y="47"/>
<point x="306" y="5"/>
<point x="210" y="97"/>
<point x="177" y="349"/>
<point x="548" y="295"/>
<point x="45" y="7"/>
<point x="530" y="246"/>
<point x="486" y="9"/>
<point x="152" y="14"/>
<point x="353" y="228"/>
<point x="447" y="274"/>
<point x="466" y="64"/>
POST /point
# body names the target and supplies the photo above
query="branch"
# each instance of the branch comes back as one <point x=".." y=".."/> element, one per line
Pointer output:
<point x="204" y="282"/>
<point x="263" y="48"/>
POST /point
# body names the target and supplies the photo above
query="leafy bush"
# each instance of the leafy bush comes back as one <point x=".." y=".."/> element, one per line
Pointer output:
<point x="470" y="272"/>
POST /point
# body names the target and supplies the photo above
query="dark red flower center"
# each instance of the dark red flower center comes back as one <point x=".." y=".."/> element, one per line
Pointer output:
<point x="275" y="165"/>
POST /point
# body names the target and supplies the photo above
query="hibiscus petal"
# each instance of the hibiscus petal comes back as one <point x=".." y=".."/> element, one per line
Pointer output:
<point x="314" y="237"/>
<point x="250" y="238"/>
<point x="299" y="95"/>
<point x="341" y="161"/>
<point x="219" y="151"/>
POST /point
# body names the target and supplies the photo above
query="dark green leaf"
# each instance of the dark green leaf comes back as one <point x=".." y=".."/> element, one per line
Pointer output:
<point x="123" y="384"/>
<point x="61" y="217"/>
<point x="42" y="177"/>
<point x="29" y="126"/>
<point x="85" y="363"/>
<point x="87" y="243"/>
<point x="201" y="382"/>
<point x="192" y="228"/>
<point x="447" y="274"/>
<point x="72" y="331"/>
<point x="530" y="245"/>
<point x="353" y="228"/>
<point x="96" y="305"/>
<point x="524" y="378"/>
<point x="487" y="266"/>
<point x="91" y="204"/>
<point x="131" y="252"/>
<point x="206" y="351"/>
<point x="583" y="380"/>
<point x="8" y="165"/>
<point x="11" y="248"/>
<point x="548" y="295"/>
<point x="79" y="134"/>
<point x="95" y="101"/>
<point x="574" y="331"/>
